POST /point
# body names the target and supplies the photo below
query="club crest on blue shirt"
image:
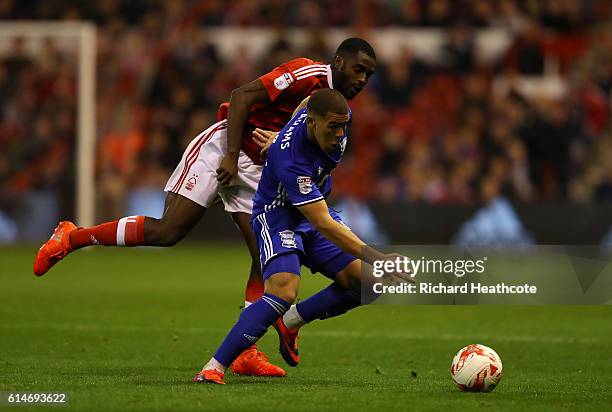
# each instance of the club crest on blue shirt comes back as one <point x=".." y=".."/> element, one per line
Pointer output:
<point x="304" y="184"/>
<point x="287" y="238"/>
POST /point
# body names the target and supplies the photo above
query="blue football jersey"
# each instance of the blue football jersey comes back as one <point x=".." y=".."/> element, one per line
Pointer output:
<point x="297" y="172"/>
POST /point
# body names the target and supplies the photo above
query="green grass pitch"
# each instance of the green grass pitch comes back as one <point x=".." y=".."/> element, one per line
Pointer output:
<point x="126" y="329"/>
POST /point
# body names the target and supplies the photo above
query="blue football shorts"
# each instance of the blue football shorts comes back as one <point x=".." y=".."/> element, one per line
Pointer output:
<point x="285" y="245"/>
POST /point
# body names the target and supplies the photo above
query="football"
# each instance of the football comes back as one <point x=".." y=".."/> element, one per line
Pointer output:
<point x="476" y="368"/>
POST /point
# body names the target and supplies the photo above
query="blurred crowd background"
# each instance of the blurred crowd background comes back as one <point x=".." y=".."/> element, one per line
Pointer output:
<point x="437" y="132"/>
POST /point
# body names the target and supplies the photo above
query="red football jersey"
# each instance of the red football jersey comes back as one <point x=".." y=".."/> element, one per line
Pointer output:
<point x="287" y="85"/>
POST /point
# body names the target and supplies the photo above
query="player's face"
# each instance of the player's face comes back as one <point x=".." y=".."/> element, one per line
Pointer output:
<point x="353" y="73"/>
<point x="328" y="130"/>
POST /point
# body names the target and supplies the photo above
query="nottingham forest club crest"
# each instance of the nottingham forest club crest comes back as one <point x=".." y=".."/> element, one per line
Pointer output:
<point x="191" y="182"/>
<point x="304" y="184"/>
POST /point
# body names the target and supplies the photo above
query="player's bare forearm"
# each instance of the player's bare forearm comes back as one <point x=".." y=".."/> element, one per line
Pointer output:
<point x="241" y="99"/>
<point x="342" y="237"/>
<point x="318" y="215"/>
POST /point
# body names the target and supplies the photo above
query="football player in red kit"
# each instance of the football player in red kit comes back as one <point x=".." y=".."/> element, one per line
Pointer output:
<point x="225" y="160"/>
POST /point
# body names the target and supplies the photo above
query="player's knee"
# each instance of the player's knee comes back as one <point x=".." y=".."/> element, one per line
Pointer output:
<point x="283" y="285"/>
<point x="287" y="293"/>
<point x="350" y="276"/>
<point x="288" y="296"/>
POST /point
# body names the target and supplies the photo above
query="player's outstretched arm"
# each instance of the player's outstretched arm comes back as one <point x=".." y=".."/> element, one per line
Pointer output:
<point x="318" y="215"/>
<point x="241" y="99"/>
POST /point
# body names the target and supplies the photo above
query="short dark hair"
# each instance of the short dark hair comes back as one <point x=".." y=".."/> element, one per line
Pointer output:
<point x="327" y="100"/>
<point x="354" y="45"/>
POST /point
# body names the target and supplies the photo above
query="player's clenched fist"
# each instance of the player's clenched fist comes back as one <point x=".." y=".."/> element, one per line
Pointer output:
<point x="228" y="169"/>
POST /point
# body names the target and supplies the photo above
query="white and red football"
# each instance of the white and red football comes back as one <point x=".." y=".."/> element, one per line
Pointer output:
<point x="476" y="368"/>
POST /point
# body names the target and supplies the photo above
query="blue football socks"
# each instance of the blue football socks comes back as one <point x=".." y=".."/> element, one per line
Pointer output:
<point x="252" y="325"/>
<point x="331" y="301"/>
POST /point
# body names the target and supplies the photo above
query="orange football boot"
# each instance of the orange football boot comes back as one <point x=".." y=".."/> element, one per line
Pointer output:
<point x="251" y="362"/>
<point x="209" y="376"/>
<point x="288" y="342"/>
<point x="56" y="248"/>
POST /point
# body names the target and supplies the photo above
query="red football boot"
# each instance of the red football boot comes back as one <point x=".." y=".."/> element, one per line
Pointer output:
<point x="56" y="248"/>
<point x="251" y="362"/>
<point x="288" y="342"/>
<point x="209" y="376"/>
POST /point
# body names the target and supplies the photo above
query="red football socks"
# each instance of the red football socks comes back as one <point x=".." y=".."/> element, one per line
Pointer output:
<point x="127" y="231"/>
<point x="254" y="291"/>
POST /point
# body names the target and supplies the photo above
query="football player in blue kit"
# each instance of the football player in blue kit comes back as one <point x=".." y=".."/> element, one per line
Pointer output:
<point x="295" y="227"/>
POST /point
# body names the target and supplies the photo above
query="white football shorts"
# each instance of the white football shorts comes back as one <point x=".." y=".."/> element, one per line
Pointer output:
<point x="196" y="175"/>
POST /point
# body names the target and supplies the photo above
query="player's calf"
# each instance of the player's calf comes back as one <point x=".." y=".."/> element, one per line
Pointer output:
<point x="180" y="216"/>
<point x="163" y="233"/>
